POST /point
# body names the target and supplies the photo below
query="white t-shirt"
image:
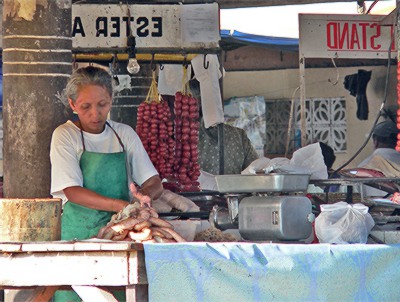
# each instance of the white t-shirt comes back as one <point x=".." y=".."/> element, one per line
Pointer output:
<point x="387" y="153"/>
<point x="385" y="160"/>
<point x="66" y="150"/>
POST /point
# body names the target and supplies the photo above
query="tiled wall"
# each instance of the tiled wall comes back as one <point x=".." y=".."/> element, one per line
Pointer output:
<point x="325" y="120"/>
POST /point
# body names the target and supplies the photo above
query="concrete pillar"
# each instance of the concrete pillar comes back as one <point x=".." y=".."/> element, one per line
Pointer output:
<point x="36" y="65"/>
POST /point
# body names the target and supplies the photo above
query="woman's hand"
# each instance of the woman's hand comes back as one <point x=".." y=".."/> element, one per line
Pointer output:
<point x="150" y="189"/>
<point x="144" y="200"/>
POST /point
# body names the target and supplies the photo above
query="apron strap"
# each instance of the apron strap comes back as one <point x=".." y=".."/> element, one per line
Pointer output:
<point x="115" y="132"/>
<point x="83" y="141"/>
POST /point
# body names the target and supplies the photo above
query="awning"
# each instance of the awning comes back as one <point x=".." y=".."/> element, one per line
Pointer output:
<point x="236" y="37"/>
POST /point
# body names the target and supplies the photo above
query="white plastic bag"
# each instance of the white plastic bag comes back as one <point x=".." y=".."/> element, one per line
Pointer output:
<point x="310" y="157"/>
<point x="307" y="160"/>
<point x="343" y="223"/>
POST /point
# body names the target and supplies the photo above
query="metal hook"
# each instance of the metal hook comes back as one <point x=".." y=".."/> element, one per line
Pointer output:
<point x="74" y="63"/>
<point x="337" y="74"/>
<point x="113" y="66"/>
<point x="185" y="62"/>
<point x="205" y="65"/>
<point x="153" y="66"/>
<point x="161" y="66"/>
<point x="114" y="62"/>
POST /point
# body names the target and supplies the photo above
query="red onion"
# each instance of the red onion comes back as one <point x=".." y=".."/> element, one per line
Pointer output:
<point x="186" y="138"/>
<point x="154" y="127"/>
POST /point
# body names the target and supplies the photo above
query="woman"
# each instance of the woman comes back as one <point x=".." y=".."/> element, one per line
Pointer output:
<point x="91" y="156"/>
<point x="94" y="160"/>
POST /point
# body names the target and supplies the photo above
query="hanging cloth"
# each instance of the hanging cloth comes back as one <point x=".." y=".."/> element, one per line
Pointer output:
<point x="170" y="79"/>
<point x="208" y="75"/>
<point x="357" y="85"/>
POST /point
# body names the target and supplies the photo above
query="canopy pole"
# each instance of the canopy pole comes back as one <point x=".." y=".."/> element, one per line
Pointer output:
<point x="303" y="124"/>
<point x="220" y="132"/>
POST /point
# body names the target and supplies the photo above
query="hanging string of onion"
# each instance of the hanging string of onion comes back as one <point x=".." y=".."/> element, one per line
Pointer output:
<point x="155" y="129"/>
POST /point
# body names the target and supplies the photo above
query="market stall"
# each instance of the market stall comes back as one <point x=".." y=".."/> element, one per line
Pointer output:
<point x="271" y="215"/>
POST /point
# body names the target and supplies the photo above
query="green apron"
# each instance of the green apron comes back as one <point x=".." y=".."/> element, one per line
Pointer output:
<point x="105" y="174"/>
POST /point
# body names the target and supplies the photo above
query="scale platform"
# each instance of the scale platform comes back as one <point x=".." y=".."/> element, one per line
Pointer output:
<point x="273" y="182"/>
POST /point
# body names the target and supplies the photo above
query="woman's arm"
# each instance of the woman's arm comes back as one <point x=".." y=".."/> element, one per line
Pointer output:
<point x="152" y="187"/>
<point x="84" y="197"/>
<point x="90" y="199"/>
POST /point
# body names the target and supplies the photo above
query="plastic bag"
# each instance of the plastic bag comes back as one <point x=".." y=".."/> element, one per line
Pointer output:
<point x="310" y="157"/>
<point x="307" y="160"/>
<point x="265" y="165"/>
<point x="343" y="223"/>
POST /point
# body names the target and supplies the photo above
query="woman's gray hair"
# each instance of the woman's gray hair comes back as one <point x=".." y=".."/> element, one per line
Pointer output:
<point x="88" y="76"/>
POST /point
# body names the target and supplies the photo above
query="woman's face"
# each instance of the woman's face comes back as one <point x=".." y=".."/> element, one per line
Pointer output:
<point x="92" y="106"/>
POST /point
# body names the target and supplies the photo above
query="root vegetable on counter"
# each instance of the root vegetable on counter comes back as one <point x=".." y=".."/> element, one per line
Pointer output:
<point x="170" y="200"/>
<point x="137" y="224"/>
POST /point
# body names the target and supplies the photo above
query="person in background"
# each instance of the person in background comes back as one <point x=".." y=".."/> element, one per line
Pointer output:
<point x="384" y="158"/>
<point x="329" y="159"/>
<point x="384" y="137"/>
<point x="328" y="154"/>
<point x="95" y="161"/>
<point x="238" y="150"/>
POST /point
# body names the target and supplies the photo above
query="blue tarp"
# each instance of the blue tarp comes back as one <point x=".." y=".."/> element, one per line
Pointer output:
<point x="289" y="44"/>
<point x="195" y="272"/>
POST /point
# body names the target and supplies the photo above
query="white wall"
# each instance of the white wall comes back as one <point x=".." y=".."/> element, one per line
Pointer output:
<point x="277" y="84"/>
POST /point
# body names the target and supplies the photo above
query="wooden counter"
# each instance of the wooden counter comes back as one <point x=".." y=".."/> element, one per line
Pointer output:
<point x="90" y="268"/>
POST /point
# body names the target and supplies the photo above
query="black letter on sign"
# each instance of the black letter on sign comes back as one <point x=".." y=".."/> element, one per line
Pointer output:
<point x="143" y="22"/>
<point x="115" y="24"/>
<point x="157" y="25"/>
<point x="101" y="21"/>
<point x="128" y="23"/>
<point x="78" y="27"/>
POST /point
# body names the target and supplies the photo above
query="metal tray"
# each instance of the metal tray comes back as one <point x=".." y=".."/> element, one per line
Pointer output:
<point x="238" y="183"/>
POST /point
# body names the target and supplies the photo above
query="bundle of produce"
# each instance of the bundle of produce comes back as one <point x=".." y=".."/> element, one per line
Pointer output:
<point x="155" y="129"/>
<point x="213" y="234"/>
<point x="138" y="224"/>
<point x="186" y="167"/>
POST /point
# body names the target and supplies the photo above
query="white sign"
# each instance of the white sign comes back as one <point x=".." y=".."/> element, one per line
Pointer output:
<point x="345" y="36"/>
<point x="167" y="27"/>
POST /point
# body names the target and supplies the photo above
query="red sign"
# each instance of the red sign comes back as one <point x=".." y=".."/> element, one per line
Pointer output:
<point x="353" y="36"/>
<point x="346" y="36"/>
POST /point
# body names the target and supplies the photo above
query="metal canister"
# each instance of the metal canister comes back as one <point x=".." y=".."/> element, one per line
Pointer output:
<point x="275" y="218"/>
